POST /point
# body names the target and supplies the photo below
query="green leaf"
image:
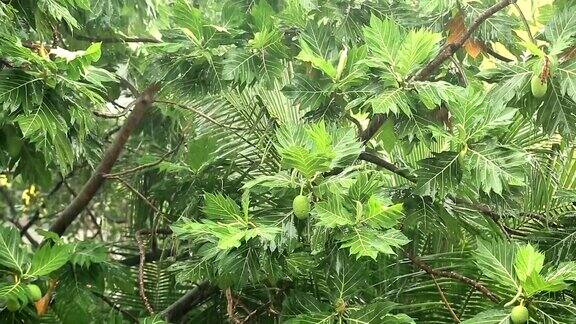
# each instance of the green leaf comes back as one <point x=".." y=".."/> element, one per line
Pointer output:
<point x="493" y="316"/>
<point x="222" y="208"/>
<point x="369" y="242"/>
<point x="417" y="48"/>
<point x="48" y="259"/>
<point x="12" y="255"/>
<point x="567" y="76"/>
<point x="263" y="15"/>
<point x="48" y="130"/>
<point x="373" y="313"/>
<point x="556" y="114"/>
<point x="308" y="55"/>
<point x="201" y="151"/>
<point x="535" y="283"/>
<point x="309" y="93"/>
<point x="528" y="261"/>
<point x="306" y="161"/>
<point x="393" y="100"/>
<point x="86" y="254"/>
<point x="331" y="213"/>
<point x="439" y="174"/>
<point x="379" y="215"/>
<point x="58" y="12"/>
<point x="383" y="38"/>
<point x="496" y="261"/>
<point x="19" y="89"/>
<point x="561" y="29"/>
<point x="496" y="167"/>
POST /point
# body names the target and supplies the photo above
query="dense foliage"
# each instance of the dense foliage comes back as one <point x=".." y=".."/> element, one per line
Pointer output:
<point x="298" y="161"/>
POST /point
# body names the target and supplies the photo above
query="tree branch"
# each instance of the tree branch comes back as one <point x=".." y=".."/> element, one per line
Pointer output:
<point x="454" y="275"/>
<point x="110" y="303"/>
<point x="69" y="214"/>
<point x="117" y="39"/>
<point x="445" y="300"/>
<point x="184" y="304"/>
<point x="446" y="52"/>
<point x="368" y="157"/>
<point x="449" y="49"/>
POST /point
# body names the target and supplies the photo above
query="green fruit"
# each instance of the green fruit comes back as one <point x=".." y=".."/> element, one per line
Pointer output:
<point x="519" y="315"/>
<point x="12" y="305"/>
<point x="34" y="292"/>
<point x="539" y="88"/>
<point x="301" y="206"/>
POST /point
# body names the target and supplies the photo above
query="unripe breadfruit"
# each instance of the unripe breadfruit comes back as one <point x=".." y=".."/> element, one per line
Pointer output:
<point x="34" y="292"/>
<point x="301" y="206"/>
<point x="519" y="315"/>
<point x="12" y="305"/>
<point x="538" y="87"/>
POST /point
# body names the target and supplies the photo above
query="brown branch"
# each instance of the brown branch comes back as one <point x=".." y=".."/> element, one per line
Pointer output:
<point x="69" y="214"/>
<point x="445" y="52"/>
<point x="117" y="39"/>
<point x="141" y="287"/>
<point x="449" y="49"/>
<point x="110" y="303"/>
<point x="137" y="193"/>
<point x="231" y="307"/>
<point x="387" y="165"/>
<point x="184" y="304"/>
<point x="445" y="300"/>
<point x="145" y="166"/>
<point x="88" y="211"/>
<point x="124" y="111"/>
<point x="454" y="275"/>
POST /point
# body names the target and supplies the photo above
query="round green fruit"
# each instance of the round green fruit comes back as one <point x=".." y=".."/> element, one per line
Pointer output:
<point x="301" y="206"/>
<point x="34" y="292"/>
<point x="12" y="305"/>
<point x="519" y="315"/>
<point x="538" y="87"/>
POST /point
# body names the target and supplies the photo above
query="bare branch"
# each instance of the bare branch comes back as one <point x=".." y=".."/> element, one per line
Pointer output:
<point x="454" y="275"/>
<point x="184" y="304"/>
<point x="66" y="217"/>
<point x="117" y="39"/>
<point x="449" y="49"/>
<point x="145" y="166"/>
<point x="445" y="300"/>
<point x="200" y="113"/>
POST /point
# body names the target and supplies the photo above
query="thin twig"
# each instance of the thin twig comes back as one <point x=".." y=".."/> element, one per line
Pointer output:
<point x="145" y="166"/>
<point x="110" y="303"/>
<point x="443" y="297"/>
<point x="117" y="39"/>
<point x="200" y="113"/>
<point x="454" y="275"/>
<point x="488" y="49"/>
<point x="137" y="193"/>
<point x="461" y="73"/>
<point x="124" y="111"/>
<point x="525" y="21"/>
<point x="88" y="211"/>
<point x="142" y="288"/>
<point x="13" y="217"/>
